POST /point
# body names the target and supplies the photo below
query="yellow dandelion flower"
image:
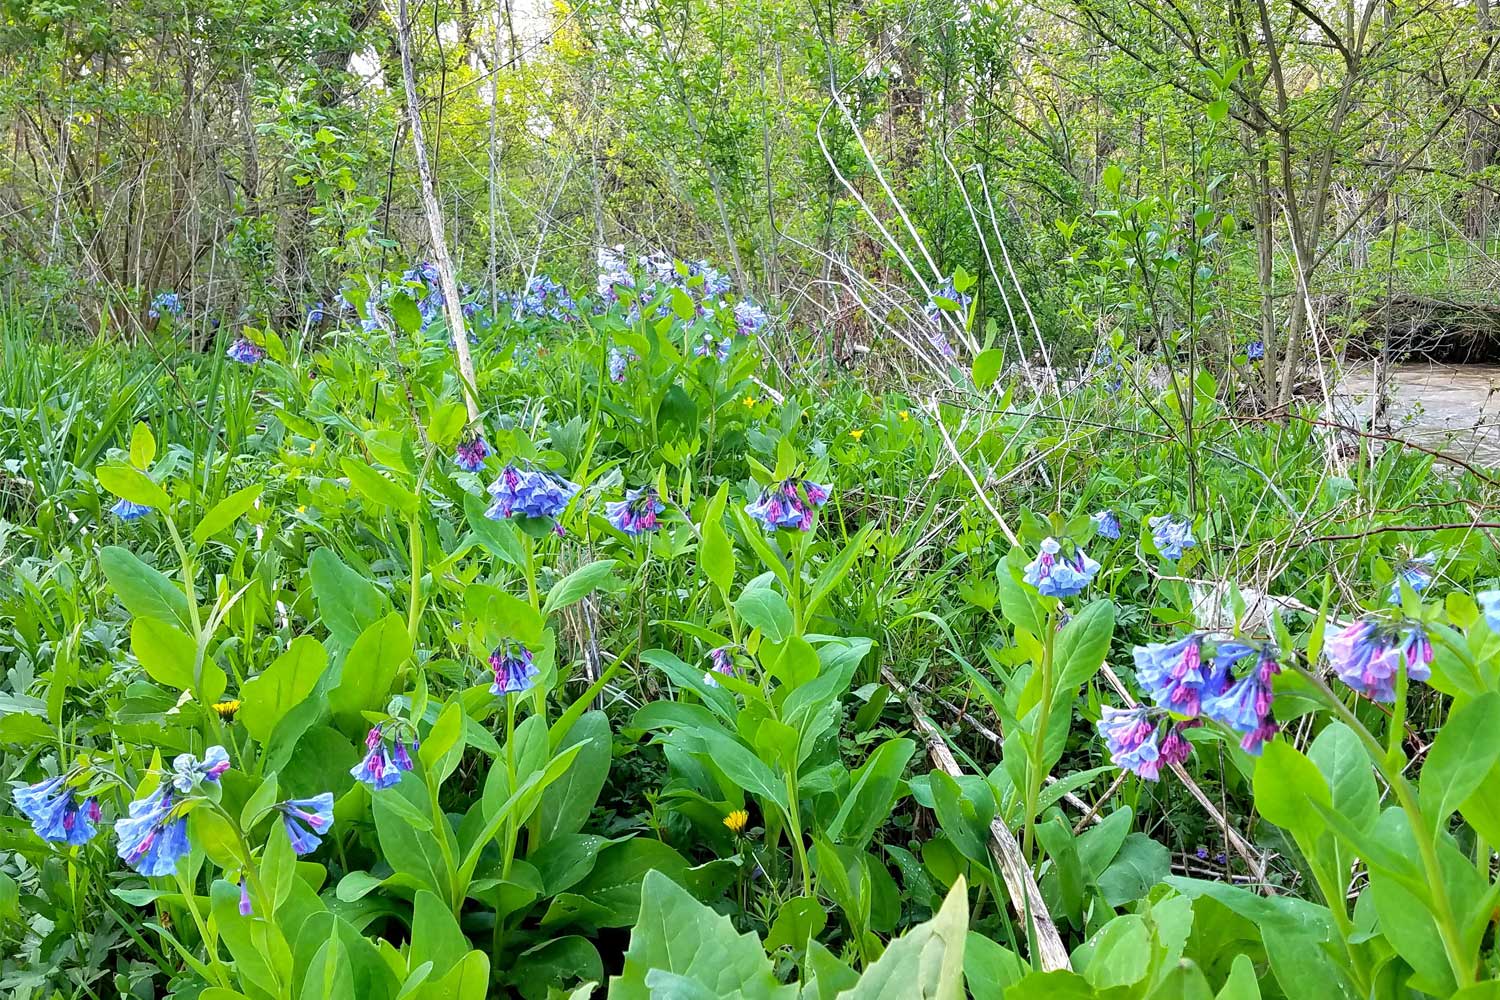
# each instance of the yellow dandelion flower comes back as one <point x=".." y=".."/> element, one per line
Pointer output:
<point x="736" y="821"/>
<point x="857" y="433"/>
<point x="302" y="508"/>
<point x="227" y="709"/>
<point x="904" y="415"/>
<point x="749" y="400"/>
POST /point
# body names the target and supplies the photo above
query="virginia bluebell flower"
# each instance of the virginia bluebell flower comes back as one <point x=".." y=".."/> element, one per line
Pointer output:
<point x="129" y="510"/>
<point x="715" y="282"/>
<point x="712" y="346"/>
<point x="246" y="907"/>
<point x="471" y="453"/>
<point x="545" y="297"/>
<point x="1104" y="356"/>
<point x="788" y="504"/>
<point x="376" y="768"/>
<point x="1245" y="705"/>
<point x="529" y="493"/>
<point x="55" y="813"/>
<point x="721" y="662"/>
<point x="1130" y="736"/>
<point x="1255" y="350"/>
<point x="188" y="772"/>
<point x="401" y="758"/>
<point x="1417" y="573"/>
<point x="514" y="670"/>
<point x="245" y="351"/>
<point x="1366" y="655"/>
<point x="1172" y="674"/>
<point x="1106" y="524"/>
<point x="165" y="303"/>
<point x="1173" y="534"/>
<point x="749" y="318"/>
<point x="637" y="513"/>
<point x="934" y="309"/>
<point x="306" y="821"/>
<point x="619" y="361"/>
<point x="614" y="273"/>
<point x="1055" y="574"/>
<point x="315" y="313"/>
<point x="1174" y="746"/>
<point x="153" y="837"/>
<point x="1489" y="604"/>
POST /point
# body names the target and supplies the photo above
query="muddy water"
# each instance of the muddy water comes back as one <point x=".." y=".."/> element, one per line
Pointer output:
<point x="1452" y="407"/>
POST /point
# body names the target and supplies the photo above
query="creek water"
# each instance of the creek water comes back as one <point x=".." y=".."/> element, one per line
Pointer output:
<point x="1454" y="408"/>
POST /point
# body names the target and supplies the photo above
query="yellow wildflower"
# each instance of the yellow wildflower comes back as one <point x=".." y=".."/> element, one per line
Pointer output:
<point x="227" y="709"/>
<point x="749" y="400"/>
<point x="857" y="433"/>
<point x="736" y="821"/>
<point x="904" y="415"/>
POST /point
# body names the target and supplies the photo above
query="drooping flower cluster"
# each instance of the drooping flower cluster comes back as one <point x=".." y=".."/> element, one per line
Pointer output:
<point x="513" y="667"/>
<point x="382" y="765"/>
<point x="637" y="513"/>
<point x="129" y="510"/>
<point x="316" y="313"/>
<point x="788" y="504"/>
<point x="307" y="820"/>
<point x="1055" y="573"/>
<point x="529" y="493"/>
<point x="1417" y="573"/>
<point x="152" y="839"/>
<point x="1173" y="534"/>
<point x="165" y="304"/>
<point x="1255" y="350"/>
<point x="619" y="362"/>
<point x="711" y="345"/>
<point x="749" y="318"/>
<point x="720" y="662"/>
<point x="471" y="452"/>
<point x="945" y="299"/>
<point x="1142" y="741"/>
<point x="614" y="273"/>
<point x="1489" y="604"/>
<point x="188" y="772"/>
<point x="1245" y="704"/>
<point x="245" y="351"/>
<point x="1367" y="654"/>
<point x="1106" y="524"/>
<point x="55" y="812"/>
<point x="545" y="297"/>
<point x="431" y="302"/>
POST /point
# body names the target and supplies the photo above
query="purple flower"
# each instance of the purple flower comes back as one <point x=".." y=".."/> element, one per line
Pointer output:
<point x="1245" y="706"/>
<point x="376" y="769"/>
<point x="245" y="351"/>
<point x="514" y="670"/>
<point x="315" y="313"/>
<point x="749" y="318"/>
<point x="246" y="909"/>
<point x="721" y="661"/>
<point x="529" y="493"/>
<point x="188" y="772"/>
<point x="1418" y="576"/>
<point x="168" y="303"/>
<point x="1489" y="604"/>
<point x="306" y="821"/>
<point x="1255" y="350"/>
<point x="711" y="346"/>
<point x="1130" y="736"/>
<point x="636" y="514"/>
<point x="152" y="839"/>
<point x="715" y="282"/>
<point x="788" y="504"/>
<point x="471" y="453"/>
<point x="1106" y="524"/>
<point x="1366" y="656"/>
<point x="1172" y="534"/>
<point x="545" y="297"/>
<point x="619" y="361"/>
<point x="401" y="757"/>
<point x="946" y="299"/>
<point x="1054" y="574"/>
<point x="129" y="510"/>
<point x="55" y="813"/>
<point x="1174" y="746"/>
<point x="614" y="272"/>
<point x="1172" y="674"/>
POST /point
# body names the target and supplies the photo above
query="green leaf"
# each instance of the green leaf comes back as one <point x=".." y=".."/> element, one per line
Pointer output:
<point x="1141" y="863"/>
<point x="742" y="767"/>
<point x="1241" y="983"/>
<point x="1287" y="786"/>
<point x="1463" y="753"/>
<point x="794" y="662"/>
<point x="1017" y="601"/>
<point x="329" y="977"/>
<point x="715" y="552"/>
<point x="369" y="670"/>
<point x="226" y="512"/>
<point x="836" y="569"/>
<point x="376" y="487"/>
<point x="266" y="698"/>
<point x="1121" y="953"/>
<point x="987" y="367"/>
<point x="925" y="963"/>
<point x="133" y="484"/>
<point x="144" y="591"/>
<point x="1081" y="647"/>
<point x="566" y="804"/>
<point x="764" y="608"/>
<point x="989" y="968"/>
<point x="167" y="652"/>
<point x="435" y="935"/>
<point x="677" y="934"/>
<point x="499" y="537"/>
<point x="142" y="447"/>
<point x="348" y="603"/>
<point x="410" y="850"/>
<point x="872" y="793"/>
<point x="578" y="584"/>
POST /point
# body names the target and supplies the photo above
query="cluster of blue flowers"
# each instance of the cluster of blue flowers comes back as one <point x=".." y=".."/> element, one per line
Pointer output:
<point x="471" y="452"/>
<point x="55" y="812"/>
<point x="165" y="304"/>
<point x="1255" y="350"/>
<point x="619" y="363"/>
<point x="305" y="821"/>
<point x="1173" y="535"/>
<point x="1106" y="524"/>
<point x="614" y="273"/>
<point x="712" y="346"/>
<point x="386" y="759"/>
<point x="749" y="318"/>
<point x="720" y="663"/>
<point x="1137" y="742"/>
<point x="129" y="510"/>
<point x="529" y="493"/>
<point x="789" y="504"/>
<point x="637" y="513"/>
<point x="1192" y="679"/>
<point x="1058" y="573"/>
<point x="245" y="351"/>
<point x="934" y="311"/>
<point x="1368" y="653"/>
<point x="545" y="297"/>
<point x="1417" y="573"/>
<point x="514" y="669"/>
